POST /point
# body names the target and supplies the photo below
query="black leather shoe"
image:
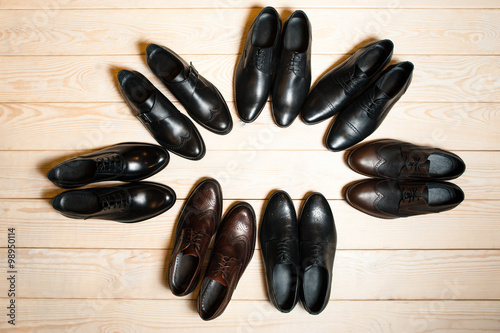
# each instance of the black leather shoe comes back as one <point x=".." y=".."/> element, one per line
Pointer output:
<point x="337" y="88"/>
<point x="201" y="99"/>
<point x="293" y="75"/>
<point x="125" y="162"/>
<point x="318" y="242"/>
<point x="255" y="69"/>
<point x="127" y="203"/>
<point x="388" y="199"/>
<point x="365" y="114"/>
<point x="405" y="161"/>
<point x="279" y="242"/>
<point x="173" y="130"/>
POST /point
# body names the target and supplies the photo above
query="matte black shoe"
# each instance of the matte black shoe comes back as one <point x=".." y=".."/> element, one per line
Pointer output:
<point x="201" y="99"/>
<point x="126" y="203"/>
<point x="293" y="75"/>
<point x="254" y="72"/>
<point x="337" y="88"/>
<point x="125" y="162"/>
<point x="173" y="130"/>
<point x="365" y="114"/>
<point x="318" y="243"/>
<point x="279" y="242"/>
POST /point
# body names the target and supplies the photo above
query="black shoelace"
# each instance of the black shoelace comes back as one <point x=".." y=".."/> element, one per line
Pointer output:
<point x="258" y="59"/>
<point x="284" y="250"/>
<point x="316" y="253"/>
<point x="118" y="199"/>
<point x="414" y="165"/>
<point x="109" y="164"/>
<point x="411" y="194"/>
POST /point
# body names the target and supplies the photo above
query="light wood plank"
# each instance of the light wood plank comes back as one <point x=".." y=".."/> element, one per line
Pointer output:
<point x="93" y="78"/>
<point x="39" y="226"/>
<point x="214" y="31"/>
<point x="55" y="5"/>
<point x="90" y="125"/>
<point x="358" y="274"/>
<point x="242" y="174"/>
<point x="61" y="315"/>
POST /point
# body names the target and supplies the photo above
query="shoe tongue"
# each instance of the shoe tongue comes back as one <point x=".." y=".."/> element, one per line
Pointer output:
<point x="148" y="104"/>
<point x="190" y="250"/>
<point x="219" y="278"/>
<point x="380" y="94"/>
<point x="181" y="76"/>
<point x="358" y="72"/>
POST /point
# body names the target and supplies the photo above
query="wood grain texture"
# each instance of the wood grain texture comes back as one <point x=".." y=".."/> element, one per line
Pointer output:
<point x="215" y="31"/>
<point x="54" y="5"/>
<point x="39" y="226"/>
<point x="62" y="315"/>
<point x="358" y="275"/>
<point x="242" y="174"/>
<point x="95" y="125"/>
<point x="93" y="78"/>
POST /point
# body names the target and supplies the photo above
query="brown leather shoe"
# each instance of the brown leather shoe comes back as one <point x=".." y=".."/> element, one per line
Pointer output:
<point x="233" y="250"/>
<point x="197" y="224"/>
<point x="405" y="161"/>
<point x="390" y="199"/>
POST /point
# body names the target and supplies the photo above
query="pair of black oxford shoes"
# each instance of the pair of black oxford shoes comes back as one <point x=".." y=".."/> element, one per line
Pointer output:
<point x="360" y="92"/>
<point x="128" y="203"/>
<point x="171" y="128"/>
<point x="298" y="252"/>
<point x="274" y="61"/>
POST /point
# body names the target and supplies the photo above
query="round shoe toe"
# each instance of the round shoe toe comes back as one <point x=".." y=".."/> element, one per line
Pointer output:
<point x="362" y="196"/>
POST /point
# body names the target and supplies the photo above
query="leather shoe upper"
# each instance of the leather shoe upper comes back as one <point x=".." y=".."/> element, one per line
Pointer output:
<point x="337" y="88"/>
<point x="233" y="249"/>
<point x="387" y="198"/>
<point x="255" y="68"/>
<point x="279" y="242"/>
<point x="197" y="223"/>
<point x="293" y="75"/>
<point x="365" y="114"/>
<point x="124" y="162"/>
<point x="405" y="161"/>
<point x="129" y="203"/>
<point x="201" y="99"/>
<point x="173" y="130"/>
<point x="318" y="243"/>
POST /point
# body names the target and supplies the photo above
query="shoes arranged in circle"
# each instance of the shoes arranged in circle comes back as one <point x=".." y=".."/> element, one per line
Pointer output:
<point x="298" y="252"/>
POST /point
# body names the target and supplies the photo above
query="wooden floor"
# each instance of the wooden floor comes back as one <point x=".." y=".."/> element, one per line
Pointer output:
<point x="59" y="98"/>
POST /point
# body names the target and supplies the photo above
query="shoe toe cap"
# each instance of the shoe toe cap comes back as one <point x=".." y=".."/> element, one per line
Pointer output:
<point x="341" y="136"/>
<point x="362" y="196"/>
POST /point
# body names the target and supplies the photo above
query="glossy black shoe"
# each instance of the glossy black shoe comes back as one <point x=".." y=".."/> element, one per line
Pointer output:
<point x="363" y="116"/>
<point x="337" y="88"/>
<point x="173" y="130"/>
<point x="201" y="99"/>
<point x="127" y="203"/>
<point x="126" y="162"/>
<point x="279" y="242"/>
<point x="254" y="72"/>
<point x="293" y="75"/>
<point x="318" y="242"/>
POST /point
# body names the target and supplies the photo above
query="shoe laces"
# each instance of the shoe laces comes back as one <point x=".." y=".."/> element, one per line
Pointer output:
<point x="258" y="59"/>
<point x="223" y="268"/>
<point x="370" y="104"/>
<point x="284" y="250"/>
<point x="411" y="194"/>
<point x="110" y="163"/>
<point x="293" y="62"/>
<point x="349" y="80"/>
<point x="195" y="238"/>
<point x="413" y="164"/>
<point x="114" y="200"/>
<point x="316" y="253"/>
